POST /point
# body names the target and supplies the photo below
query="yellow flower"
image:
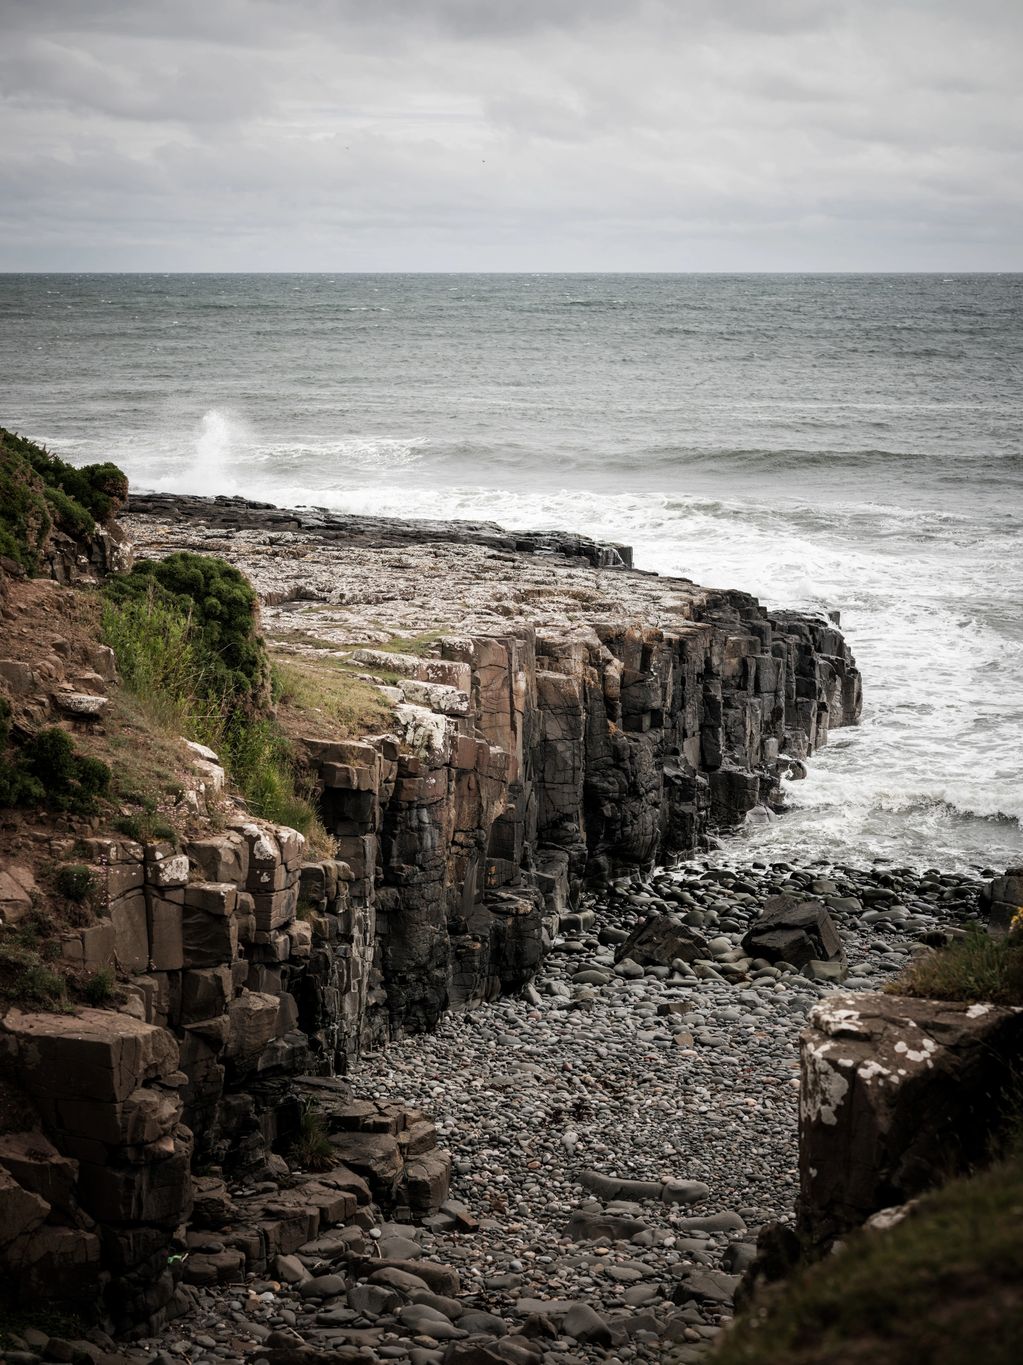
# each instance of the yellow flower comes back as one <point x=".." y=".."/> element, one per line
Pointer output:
<point x="1016" y="923"/>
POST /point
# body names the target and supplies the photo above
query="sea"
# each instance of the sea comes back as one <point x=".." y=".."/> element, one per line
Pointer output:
<point x="826" y="442"/>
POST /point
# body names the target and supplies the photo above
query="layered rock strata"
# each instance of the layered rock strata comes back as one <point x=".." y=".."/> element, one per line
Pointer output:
<point x="576" y="720"/>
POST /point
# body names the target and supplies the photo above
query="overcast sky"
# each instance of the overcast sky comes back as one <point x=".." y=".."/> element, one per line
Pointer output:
<point x="511" y="135"/>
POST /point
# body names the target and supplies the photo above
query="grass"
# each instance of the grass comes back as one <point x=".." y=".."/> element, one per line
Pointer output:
<point x="312" y="1149"/>
<point x="420" y="645"/>
<point x="975" y="968"/>
<point x="100" y="988"/>
<point x="942" y="1287"/>
<point x="325" y="693"/>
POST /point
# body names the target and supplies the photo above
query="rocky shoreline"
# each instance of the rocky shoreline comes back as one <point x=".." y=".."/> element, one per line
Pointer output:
<point x="619" y="1138"/>
<point x="297" y="1137"/>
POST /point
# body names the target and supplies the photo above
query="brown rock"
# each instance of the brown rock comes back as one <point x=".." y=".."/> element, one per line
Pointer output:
<point x="21" y="1211"/>
<point x="94" y="1055"/>
<point x="18" y="892"/>
<point x="36" y="1165"/>
<point x="794" y="930"/>
<point x="428" y="1177"/>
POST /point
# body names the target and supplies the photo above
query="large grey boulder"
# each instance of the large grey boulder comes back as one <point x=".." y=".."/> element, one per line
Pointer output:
<point x="660" y="940"/>
<point x="1002" y="898"/>
<point x="794" y="930"/>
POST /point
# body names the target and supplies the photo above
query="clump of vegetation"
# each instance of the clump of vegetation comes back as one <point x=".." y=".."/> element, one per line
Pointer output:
<point x="942" y="1286"/>
<point x="100" y="988"/>
<point x="312" y="1149"/>
<point x="145" y="828"/>
<point x="187" y="625"/>
<point x="185" y="632"/>
<point x="75" y="882"/>
<point x="977" y="967"/>
<point x="25" y="977"/>
<point x="39" y="492"/>
<point x="45" y="767"/>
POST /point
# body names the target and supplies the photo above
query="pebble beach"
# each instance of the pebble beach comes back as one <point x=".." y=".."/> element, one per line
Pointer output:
<point x="620" y="1134"/>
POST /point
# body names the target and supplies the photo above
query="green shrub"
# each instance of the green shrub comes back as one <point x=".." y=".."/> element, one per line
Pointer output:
<point x="38" y="492"/>
<point x="76" y="882"/>
<point x="24" y="977"/>
<point x="47" y="768"/>
<point x="200" y="602"/>
<point x="25" y="520"/>
<point x="69" y="781"/>
<point x="184" y="632"/>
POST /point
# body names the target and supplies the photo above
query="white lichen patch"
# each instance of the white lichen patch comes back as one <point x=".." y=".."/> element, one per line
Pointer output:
<point x="263" y="847"/>
<point x="872" y="1070"/>
<point x="978" y="1011"/>
<point x="424" y="731"/>
<point x="836" y="1021"/>
<point x="920" y="1054"/>
<point x="824" y="1087"/>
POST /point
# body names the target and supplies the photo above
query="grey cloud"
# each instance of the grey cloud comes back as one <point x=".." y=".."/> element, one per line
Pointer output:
<point x="563" y="134"/>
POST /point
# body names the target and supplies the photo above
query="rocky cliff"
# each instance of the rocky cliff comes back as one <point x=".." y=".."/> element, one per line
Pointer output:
<point x="574" y="720"/>
<point x="570" y="720"/>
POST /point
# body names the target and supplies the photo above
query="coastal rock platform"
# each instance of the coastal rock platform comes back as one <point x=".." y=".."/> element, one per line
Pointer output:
<point x="558" y="719"/>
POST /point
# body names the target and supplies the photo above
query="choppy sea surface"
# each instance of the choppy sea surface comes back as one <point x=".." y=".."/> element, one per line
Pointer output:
<point x="850" y="442"/>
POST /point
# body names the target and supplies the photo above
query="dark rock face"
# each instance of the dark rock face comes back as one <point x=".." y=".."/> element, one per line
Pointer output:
<point x="575" y="757"/>
<point x="896" y="1095"/>
<point x="1003" y="898"/>
<point x="379" y="532"/>
<point x="791" y="930"/>
<point x="107" y="1088"/>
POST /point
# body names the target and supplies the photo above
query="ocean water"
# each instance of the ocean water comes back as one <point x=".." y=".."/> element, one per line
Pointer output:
<point x="849" y="442"/>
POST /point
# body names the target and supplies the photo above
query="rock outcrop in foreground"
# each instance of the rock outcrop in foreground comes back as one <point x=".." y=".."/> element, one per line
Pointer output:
<point x="897" y="1095"/>
<point x="575" y="720"/>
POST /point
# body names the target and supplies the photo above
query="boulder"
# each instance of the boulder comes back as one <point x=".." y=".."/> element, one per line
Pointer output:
<point x="36" y="1165"/>
<point x="428" y="1178"/>
<point x="660" y="940"/>
<point x="253" y="1022"/>
<point x="896" y="1095"/>
<point x="794" y="930"/>
<point x="93" y="1055"/>
<point x="1002" y="899"/>
<point x="21" y="1211"/>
